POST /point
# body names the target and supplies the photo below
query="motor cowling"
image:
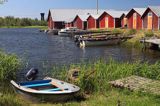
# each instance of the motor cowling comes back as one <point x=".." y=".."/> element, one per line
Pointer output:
<point x="31" y="74"/>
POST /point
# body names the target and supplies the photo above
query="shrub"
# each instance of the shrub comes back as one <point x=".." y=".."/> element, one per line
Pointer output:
<point x="149" y="33"/>
<point x="9" y="64"/>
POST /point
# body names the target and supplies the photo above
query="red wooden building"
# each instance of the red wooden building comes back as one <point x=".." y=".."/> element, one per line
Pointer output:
<point x="69" y="22"/>
<point x="58" y="18"/>
<point x="80" y="21"/>
<point x="123" y="21"/>
<point x="93" y="22"/>
<point x="110" y="19"/>
<point x="134" y="18"/>
<point x="151" y="18"/>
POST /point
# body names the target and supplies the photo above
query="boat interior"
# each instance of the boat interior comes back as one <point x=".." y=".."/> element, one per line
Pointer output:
<point x="42" y="85"/>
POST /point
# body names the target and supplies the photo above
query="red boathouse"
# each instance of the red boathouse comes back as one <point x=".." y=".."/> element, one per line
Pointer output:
<point x="110" y="19"/>
<point x="151" y="18"/>
<point x="80" y="21"/>
<point x="69" y="23"/>
<point x="123" y="21"/>
<point x="134" y="18"/>
<point x="93" y="22"/>
<point x="58" y="18"/>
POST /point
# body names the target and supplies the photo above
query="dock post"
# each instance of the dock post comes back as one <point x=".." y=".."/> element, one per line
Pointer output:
<point x="144" y="44"/>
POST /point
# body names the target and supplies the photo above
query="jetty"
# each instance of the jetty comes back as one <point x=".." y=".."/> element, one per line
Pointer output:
<point x="153" y="43"/>
<point x="137" y="83"/>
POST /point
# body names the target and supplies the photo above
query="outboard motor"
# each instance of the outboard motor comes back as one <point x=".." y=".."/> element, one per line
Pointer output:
<point x="76" y="38"/>
<point x="31" y="74"/>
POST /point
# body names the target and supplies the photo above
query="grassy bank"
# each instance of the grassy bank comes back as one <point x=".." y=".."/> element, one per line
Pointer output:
<point x="138" y="34"/>
<point x="113" y="98"/>
<point x="93" y="80"/>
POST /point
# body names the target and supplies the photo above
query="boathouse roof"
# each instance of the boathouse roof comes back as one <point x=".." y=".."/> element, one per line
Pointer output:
<point x="140" y="11"/>
<point x="83" y="17"/>
<point x="69" y="20"/>
<point x="96" y="16"/>
<point x="115" y="14"/>
<point x="155" y="9"/>
<point x="66" y="14"/>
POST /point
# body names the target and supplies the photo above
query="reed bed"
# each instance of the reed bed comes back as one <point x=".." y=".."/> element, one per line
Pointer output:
<point x="94" y="76"/>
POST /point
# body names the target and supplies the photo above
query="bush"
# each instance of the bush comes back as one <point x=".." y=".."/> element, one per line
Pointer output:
<point x="9" y="65"/>
<point x="149" y="33"/>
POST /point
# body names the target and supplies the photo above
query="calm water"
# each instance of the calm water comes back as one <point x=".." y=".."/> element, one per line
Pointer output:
<point x="44" y="51"/>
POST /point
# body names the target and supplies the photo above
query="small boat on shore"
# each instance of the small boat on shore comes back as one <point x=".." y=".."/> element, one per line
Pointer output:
<point x="48" y="89"/>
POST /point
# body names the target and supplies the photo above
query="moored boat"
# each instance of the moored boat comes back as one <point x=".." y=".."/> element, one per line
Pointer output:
<point x="67" y="31"/>
<point x="48" y="89"/>
<point x="84" y="42"/>
<point x="100" y="40"/>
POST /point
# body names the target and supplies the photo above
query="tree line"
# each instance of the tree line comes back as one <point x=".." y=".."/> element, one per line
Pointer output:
<point x="12" y="21"/>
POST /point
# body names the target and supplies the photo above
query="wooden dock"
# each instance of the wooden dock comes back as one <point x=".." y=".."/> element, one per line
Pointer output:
<point x="153" y="43"/>
<point x="137" y="83"/>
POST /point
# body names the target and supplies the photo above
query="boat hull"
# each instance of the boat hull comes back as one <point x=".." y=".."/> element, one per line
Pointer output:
<point x="63" y="34"/>
<point x="46" y="97"/>
<point x="86" y="43"/>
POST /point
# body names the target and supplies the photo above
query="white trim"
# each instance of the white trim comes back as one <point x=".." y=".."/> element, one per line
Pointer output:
<point x="87" y="25"/>
<point x="158" y="23"/>
<point x="82" y="24"/>
<point x="99" y="24"/>
<point x="95" y="24"/>
<point x="114" y="23"/>
<point x="142" y="24"/>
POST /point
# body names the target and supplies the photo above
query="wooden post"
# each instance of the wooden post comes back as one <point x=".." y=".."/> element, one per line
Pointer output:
<point x="97" y="6"/>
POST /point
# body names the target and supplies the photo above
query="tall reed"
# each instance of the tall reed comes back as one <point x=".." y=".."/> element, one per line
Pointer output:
<point x="94" y="77"/>
<point x="9" y="65"/>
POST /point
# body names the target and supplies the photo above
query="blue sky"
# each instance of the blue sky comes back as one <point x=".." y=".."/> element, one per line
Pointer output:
<point x="32" y="8"/>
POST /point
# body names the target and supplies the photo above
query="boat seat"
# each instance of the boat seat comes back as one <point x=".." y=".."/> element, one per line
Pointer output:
<point x="54" y="89"/>
<point x="35" y="82"/>
<point x="37" y="85"/>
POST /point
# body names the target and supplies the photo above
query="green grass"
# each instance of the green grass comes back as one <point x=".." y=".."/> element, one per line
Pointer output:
<point x="12" y="100"/>
<point x="111" y="98"/>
